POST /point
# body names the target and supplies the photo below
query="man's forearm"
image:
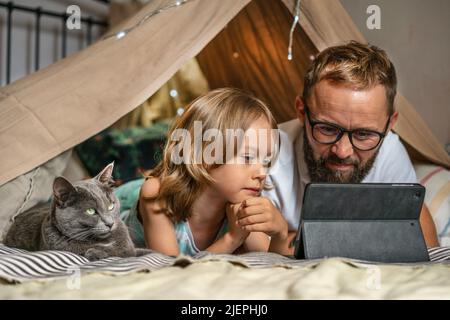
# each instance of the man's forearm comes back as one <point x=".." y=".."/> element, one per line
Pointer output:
<point x="428" y="228"/>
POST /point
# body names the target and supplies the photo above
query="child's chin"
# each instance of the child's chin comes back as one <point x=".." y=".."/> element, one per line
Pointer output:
<point x="239" y="198"/>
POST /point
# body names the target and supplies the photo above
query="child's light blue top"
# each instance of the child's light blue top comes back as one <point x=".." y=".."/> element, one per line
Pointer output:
<point x="128" y="195"/>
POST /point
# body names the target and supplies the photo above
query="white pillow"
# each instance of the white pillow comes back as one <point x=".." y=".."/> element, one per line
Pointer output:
<point x="29" y="189"/>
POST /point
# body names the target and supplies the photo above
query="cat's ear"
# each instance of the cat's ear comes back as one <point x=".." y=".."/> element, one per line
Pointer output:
<point x="105" y="176"/>
<point x="62" y="190"/>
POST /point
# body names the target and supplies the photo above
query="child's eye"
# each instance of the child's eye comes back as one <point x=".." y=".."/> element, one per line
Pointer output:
<point x="90" y="211"/>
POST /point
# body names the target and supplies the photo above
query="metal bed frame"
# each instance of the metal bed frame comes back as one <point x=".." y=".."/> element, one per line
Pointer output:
<point x="39" y="12"/>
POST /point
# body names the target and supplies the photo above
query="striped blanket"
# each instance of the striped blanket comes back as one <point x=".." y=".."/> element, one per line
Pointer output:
<point x="20" y="266"/>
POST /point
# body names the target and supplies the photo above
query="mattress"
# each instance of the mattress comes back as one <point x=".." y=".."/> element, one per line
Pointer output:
<point x="63" y="275"/>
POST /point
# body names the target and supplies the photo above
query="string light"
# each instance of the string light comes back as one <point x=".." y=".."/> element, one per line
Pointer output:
<point x="121" y="34"/>
<point x="178" y="3"/>
<point x="124" y="32"/>
<point x="291" y="33"/>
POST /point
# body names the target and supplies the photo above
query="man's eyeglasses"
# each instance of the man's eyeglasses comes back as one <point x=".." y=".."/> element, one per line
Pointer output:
<point x="361" y="139"/>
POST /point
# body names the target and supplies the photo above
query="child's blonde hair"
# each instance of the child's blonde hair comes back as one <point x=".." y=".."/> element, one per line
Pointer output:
<point x="225" y="108"/>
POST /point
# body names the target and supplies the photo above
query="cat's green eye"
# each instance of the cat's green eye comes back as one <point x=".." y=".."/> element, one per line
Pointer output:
<point x="111" y="206"/>
<point x="90" y="211"/>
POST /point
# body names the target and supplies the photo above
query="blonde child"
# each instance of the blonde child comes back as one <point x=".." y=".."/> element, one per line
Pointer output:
<point x="193" y="201"/>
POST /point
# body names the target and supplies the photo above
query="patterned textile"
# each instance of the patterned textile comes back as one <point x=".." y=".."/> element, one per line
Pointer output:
<point x="20" y="266"/>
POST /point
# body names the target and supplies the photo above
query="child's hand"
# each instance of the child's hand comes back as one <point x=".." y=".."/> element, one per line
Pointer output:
<point x="236" y="231"/>
<point x="259" y="214"/>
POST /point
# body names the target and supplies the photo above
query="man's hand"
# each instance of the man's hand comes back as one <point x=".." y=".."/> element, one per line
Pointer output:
<point x="259" y="214"/>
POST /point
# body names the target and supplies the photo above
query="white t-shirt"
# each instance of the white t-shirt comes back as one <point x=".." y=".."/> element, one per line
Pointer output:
<point x="289" y="175"/>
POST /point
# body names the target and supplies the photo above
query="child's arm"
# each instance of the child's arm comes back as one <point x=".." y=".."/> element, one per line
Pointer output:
<point x="256" y="241"/>
<point x="225" y="244"/>
<point x="159" y="230"/>
<point x="234" y="237"/>
<point x="258" y="214"/>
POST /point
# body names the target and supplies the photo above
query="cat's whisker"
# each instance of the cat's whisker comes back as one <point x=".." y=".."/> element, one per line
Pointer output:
<point x="79" y="235"/>
<point x="84" y="235"/>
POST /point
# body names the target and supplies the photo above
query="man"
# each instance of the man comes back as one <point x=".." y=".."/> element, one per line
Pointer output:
<point x="343" y="132"/>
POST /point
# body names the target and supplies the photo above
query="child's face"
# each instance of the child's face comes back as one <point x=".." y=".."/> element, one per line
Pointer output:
<point x="243" y="176"/>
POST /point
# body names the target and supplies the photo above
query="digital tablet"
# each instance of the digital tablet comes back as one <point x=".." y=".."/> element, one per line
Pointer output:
<point x="370" y="221"/>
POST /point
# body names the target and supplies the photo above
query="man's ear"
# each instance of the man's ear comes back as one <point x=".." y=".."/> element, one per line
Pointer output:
<point x="393" y="120"/>
<point x="300" y="108"/>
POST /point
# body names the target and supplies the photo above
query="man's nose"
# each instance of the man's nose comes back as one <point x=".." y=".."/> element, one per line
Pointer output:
<point x="343" y="147"/>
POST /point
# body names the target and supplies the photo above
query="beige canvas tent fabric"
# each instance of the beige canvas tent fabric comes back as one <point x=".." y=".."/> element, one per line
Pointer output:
<point x="60" y="106"/>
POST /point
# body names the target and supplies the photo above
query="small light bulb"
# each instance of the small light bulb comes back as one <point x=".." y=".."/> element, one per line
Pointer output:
<point x="121" y="34"/>
<point x="173" y="93"/>
<point x="289" y="56"/>
<point x="180" y="111"/>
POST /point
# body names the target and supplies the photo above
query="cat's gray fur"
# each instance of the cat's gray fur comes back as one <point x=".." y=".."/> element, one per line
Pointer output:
<point x="65" y="225"/>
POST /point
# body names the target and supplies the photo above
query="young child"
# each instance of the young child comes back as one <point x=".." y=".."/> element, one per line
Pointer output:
<point x="205" y="193"/>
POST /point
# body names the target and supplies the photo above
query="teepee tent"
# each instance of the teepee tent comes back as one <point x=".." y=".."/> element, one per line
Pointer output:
<point x="51" y="111"/>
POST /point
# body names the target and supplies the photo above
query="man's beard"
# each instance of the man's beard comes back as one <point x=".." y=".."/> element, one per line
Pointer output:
<point x="319" y="172"/>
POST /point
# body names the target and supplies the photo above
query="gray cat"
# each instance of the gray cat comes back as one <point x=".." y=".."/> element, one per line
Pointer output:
<point x="82" y="218"/>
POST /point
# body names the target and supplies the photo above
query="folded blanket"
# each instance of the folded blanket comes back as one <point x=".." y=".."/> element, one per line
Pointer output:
<point x="20" y="266"/>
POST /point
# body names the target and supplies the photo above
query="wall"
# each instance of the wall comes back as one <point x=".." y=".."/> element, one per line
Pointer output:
<point x="23" y="34"/>
<point x="415" y="35"/>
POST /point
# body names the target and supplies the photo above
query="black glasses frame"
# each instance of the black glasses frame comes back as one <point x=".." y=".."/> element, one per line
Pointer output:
<point x="342" y="130"/>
